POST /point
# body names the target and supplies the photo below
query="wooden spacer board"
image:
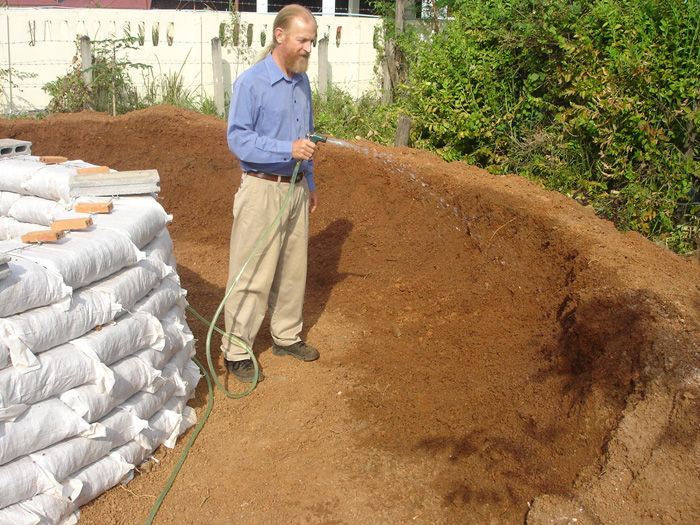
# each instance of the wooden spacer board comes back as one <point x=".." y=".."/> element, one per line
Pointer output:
<point x="52" y="159"/>
<point x="77" y="223"/>
<point x="93" y="169"/>
<point x="43" y="236"/>
<point x="94" y="207"/>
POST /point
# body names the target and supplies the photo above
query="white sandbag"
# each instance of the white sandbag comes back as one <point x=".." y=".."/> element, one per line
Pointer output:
<point x="134" y="452"/>
<point x="141" y="218"/>
<point x="177" y="335"/>
<point x="82" y="257"/>
<point x="99" y="476"/>
<point x="131" y="374"/>
<point x="40" y="211"/>
<point x="175" y="328"/>
<point x="61" y="368"/>
<point x="12" y="412"/>
<point x="30" y="286"/>
<point x="178" y="381"/>
<point x="7" y="199"/>
<point x="4" y="356"/>
<point x="145" y="404"/>
<point x="43" y="424"/>
<point x="179" y="363"/>
<point x="127" y="286"/>
<point x="191" y="375"/>
<point x="160" y="300"/>
<point x="169" y="422"/>
<point x="160" y="428"/>
<point x="13" y="229"/>
<point x="53" y="181"/>
<point x="123" y="337"/>
<point x="37" y="330"/>
<point x="14" y="172"/>
<point x="22" y="479"/>
<point x="161" y="247"/>
<point x="63" y="459"/>
<point x="46" y="508"/>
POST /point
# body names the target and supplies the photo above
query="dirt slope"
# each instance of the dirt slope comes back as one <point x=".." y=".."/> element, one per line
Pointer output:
<point x="491" y="352"/>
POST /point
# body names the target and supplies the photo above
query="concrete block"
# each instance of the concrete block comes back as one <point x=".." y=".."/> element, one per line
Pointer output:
<point x="114" y="183"/>
<point x="12" y="147"/>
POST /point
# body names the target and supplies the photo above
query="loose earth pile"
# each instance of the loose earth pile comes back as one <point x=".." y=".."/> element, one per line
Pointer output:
<point x="490" y="352"/>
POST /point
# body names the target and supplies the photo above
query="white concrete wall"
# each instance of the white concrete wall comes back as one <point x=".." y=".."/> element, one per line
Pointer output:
<point x="42" y="42"/>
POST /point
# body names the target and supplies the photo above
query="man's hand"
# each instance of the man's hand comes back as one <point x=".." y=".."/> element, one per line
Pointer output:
<point x="303" y="149"/>
<point x="313" y="201"/>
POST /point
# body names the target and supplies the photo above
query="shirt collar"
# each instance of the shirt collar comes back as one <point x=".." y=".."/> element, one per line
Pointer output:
<point x="275" y="73"/>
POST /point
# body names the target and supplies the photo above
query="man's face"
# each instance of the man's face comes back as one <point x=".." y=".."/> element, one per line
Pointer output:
<point x="295" y="43"/>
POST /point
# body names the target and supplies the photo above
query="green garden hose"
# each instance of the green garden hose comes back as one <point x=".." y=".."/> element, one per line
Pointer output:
<point x="212" y="372"/>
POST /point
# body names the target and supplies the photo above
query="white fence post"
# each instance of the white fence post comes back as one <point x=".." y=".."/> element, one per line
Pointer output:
<point x="86" y="59"/>
<point x="9" y="64"/>
<point x="218" y="74"/>
<point x="323" y="67"/>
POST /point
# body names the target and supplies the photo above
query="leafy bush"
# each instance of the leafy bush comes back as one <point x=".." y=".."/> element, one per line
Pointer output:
<point x="337" y="114"/>
<point x="111" y="89"/>
<point x="597" y="99"/>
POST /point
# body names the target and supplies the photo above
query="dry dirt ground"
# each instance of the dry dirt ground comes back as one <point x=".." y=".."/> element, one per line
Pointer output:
<point x="490" y="352"/>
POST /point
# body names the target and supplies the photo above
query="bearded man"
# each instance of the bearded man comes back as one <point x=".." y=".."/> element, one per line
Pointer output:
<point x="269" y="120"/>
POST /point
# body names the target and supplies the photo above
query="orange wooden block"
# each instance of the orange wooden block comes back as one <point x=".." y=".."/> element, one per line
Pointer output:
<point x="51" y="159"/>
<point x="43" y="236"/>
<point x="77" y="223"/>
<point x="93" y="169"/>
<point x="94" y="207"/>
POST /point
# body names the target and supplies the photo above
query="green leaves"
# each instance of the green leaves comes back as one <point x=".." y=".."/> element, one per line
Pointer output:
<point x="600" y="99"/>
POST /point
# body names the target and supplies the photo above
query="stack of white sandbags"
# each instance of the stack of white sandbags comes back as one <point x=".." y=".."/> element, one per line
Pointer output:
<point x="95" y="352"/>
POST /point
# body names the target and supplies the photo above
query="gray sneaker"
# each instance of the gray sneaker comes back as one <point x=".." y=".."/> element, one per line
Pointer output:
<point x="244" y="370"/>
<point x="300" y="350"/>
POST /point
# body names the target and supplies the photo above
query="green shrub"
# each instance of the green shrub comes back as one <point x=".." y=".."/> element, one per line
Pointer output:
<point x="598" y="99"/>
<point x="337" y="114"/>
<point x="111" y="89"/>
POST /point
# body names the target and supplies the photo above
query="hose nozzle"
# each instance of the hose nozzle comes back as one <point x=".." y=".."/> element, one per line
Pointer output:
<point x="313" y="137"/>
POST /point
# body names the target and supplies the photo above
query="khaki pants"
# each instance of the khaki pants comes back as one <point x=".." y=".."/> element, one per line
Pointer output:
<point x="276" y="276"/>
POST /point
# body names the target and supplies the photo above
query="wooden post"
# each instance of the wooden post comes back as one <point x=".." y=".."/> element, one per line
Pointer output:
<point x="218" y="75"/>
<point x="390" y="64"/>
<point x="403" y="131"/>
<point x="323" y="67"/>
<point x="386" y="80"/>
<point x="400" y="15"/>
<point x="86" y="59"/>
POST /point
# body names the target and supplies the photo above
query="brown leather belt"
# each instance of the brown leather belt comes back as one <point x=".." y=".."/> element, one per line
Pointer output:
<point x="273" y="177"/>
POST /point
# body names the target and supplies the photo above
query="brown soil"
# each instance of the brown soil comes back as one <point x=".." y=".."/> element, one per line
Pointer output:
<point x="491" y="352"/>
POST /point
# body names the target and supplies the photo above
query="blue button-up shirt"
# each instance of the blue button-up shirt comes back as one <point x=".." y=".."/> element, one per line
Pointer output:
<point x="268" y="112"/>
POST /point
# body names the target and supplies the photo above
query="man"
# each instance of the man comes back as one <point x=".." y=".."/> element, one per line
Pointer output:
<point x="269" y="119"/>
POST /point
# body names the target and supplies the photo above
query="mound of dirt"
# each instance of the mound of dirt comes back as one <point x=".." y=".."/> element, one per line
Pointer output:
<point x="490" y="352"/>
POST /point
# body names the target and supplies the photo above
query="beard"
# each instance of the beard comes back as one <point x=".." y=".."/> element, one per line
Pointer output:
<point x="298" y="64"/>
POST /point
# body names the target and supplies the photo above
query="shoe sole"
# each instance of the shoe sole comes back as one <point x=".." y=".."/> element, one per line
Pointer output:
<point x="276" y="350"/>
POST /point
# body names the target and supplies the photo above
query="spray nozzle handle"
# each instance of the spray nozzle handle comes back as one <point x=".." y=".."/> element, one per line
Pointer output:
<point x="313" y="137"/>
